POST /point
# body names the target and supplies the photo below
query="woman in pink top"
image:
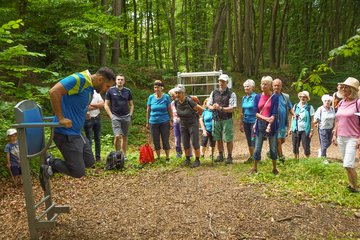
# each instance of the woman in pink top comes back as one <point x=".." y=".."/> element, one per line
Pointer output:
<point x="347" y="129"/>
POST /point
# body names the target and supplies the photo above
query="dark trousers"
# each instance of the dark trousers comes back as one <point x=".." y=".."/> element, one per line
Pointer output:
<point x="92" y="129"/>
<point x="160" y="130"/>
<point x="301" y="136"/>
<point x="76" y="152"/>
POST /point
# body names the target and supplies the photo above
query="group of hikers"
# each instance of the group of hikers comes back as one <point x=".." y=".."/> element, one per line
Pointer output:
<point x="76" y="101"/>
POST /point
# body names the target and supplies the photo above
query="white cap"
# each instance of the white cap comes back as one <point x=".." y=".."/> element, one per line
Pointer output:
<point x="224" y="77"/>
<point x="11" y="131"/>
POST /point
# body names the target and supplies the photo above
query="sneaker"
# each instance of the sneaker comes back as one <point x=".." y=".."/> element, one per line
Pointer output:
<point x="178" y="155"/>
<point x="325" y="162"/>
<point x="275" y="171"/>
<point x="49" y="159"/>
<point x="249" y="160"/>
<point x="353" y="190"/>
<point x="195" y="164"/>
<point x="282" y="159"/>
<point x="229" y="160"/>
<point x="45" y="173"/>
<point x="167" y="159"/>
<point x="219" y="158"/>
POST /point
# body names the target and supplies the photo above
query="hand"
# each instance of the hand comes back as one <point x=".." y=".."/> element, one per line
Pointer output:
<point x="88" y="115"/>
<point x="67" y="123"/>
<point x="205" y="134"/>
<point x="271" y="119"/>
<point x="242" y="128"/>
<point x="334" y="141"/>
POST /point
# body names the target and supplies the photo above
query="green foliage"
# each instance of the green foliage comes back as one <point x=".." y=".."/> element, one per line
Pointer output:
<point x="349" y="49"/>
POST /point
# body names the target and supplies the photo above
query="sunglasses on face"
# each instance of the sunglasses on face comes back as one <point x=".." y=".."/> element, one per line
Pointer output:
<point x="344" y="87"/>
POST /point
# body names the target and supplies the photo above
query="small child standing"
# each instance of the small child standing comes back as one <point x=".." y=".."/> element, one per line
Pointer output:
<point x="206" y="126"/>
<point x="12" y="155"/>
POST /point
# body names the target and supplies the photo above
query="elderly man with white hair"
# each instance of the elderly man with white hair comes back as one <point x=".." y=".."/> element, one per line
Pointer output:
<point x="324" y="119"/>
<point x="222" y="102"/>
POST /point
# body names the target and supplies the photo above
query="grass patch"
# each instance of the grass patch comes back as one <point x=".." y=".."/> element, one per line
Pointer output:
<point x="306" y="179"/>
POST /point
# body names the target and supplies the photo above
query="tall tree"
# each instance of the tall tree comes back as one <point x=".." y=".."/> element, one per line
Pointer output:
<point x="272" y="37"/>
<point x="102" y="50"/>
<point x="116" y="44"/>
<point x="136" y="45"/>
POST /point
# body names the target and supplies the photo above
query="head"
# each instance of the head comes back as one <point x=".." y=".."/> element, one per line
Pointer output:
<point x="223" y="81"/>
<point x="120" y="80"/>
<point x="277" y="85"/>
<point x="172" y="94"/>
<point x="249" y="86"/>
<point x="304" y="96"/>
<point x="104" y="79"/>
<point x="158" y="86"/>
<point x="180" y="91"/>
<point x="266" y="84"/>
<point x="205" y="102"/>
<point x="12" y="134"/>
<point x="327" y="100"/>
<point x="349" y="88"/>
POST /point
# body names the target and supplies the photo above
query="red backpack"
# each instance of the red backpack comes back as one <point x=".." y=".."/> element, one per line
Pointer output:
<point x="146" y="154"/>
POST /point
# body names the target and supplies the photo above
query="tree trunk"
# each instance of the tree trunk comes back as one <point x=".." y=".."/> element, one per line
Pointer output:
<point x="187" y="64"/>
<point x="147" y="43"/>
<point x="159" y="42"/>
<point x="170" y="17"/>
<point x="272" y="36"/>
<point x="116" y="44"/>
<point x="102" y="50"/>
<point x="248" y="60"/>
<point x="260" y="39"/>
<point x="126" y="38"/>
<point x="281" y="33"/>
<point x="230" y="47"/>
<point x="136" y="45"/>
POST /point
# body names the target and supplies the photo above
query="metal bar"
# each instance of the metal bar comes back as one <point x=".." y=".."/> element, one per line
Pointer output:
<point x="61" y="209"/>
<point x="36" y="125"/>
<point x="200" y="84"/>
<point x="45" y="212"/>
<point x="42" y="201"/>
<point x="45" y="224"/>
<point x="200" y="74"/>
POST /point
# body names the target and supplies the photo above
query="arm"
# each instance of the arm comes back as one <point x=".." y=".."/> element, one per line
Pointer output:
<point x="312" y="126"/>
<point x="147" y="115"/>
<point x="98" y="105"/>
<point x="8" y="160"/>
<point x="199" y="109"/>
<point x="56" y="94"/>
<point x="334" y="132"/>
<point x="202" y="125"/>
<point x="131" y="104"/>
<point x="107" y="108"/>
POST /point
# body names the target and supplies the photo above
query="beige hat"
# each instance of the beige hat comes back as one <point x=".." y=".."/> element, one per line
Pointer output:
<point x="306" y="93"/>
<point x="11" y="131"/>
<point x="224" y="77"/>
<point x="352" y="82"/>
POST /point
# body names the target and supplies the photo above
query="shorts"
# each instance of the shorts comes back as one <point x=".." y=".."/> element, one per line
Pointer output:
<point x="15" y="170"/>
<point x="348" y="150"/>
<point x="223" y="130"/>
<point x="209" y="138"/>
<point x="120" y="126"/>
<point x="282" y="132"/>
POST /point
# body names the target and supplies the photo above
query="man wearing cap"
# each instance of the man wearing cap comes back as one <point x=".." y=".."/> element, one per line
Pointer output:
<point x="119" y="106"/>
<point x="70" y="98"/>
<point x="222" y="102"/>
<point x="285" y="107"/>
<point x="346" y="133"/>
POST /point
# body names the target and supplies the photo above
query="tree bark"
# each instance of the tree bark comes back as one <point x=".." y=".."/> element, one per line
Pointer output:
<point x="248" y="60"/>
<point x="281" y="33"/>
<point x="103" y="47"/>
<point x="136" y="45"/>
<point x="230" y="47"/>
<point x="116" y="44"/>
<point x="272" y="36"/>
<point x="260" y="39"/>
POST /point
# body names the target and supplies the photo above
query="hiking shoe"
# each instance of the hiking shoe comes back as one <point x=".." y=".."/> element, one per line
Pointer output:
<point x="167" y="159"/>
<point x="49" y="159"/>
<point x="282" y="159"/>
<point x="186" y="163"/>
<point x="45" y="173"/>
<point x="178" y="155"/>
<point x="195" y="164"/>
<point x="249" y="160"/>
<point x="353" y="190"/>
<point x="219" y="158"/>
<point x="275" y="171"/>
<point x="229" y="160"/>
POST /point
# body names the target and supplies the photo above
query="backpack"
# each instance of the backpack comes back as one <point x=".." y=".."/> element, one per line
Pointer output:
<point x="195" y="99"/>
<point x="146" y="154"/>
<point x="115" y="160"/>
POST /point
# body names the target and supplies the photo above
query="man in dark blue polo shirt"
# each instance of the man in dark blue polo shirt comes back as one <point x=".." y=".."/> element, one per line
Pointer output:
<point x="120" y="108"/>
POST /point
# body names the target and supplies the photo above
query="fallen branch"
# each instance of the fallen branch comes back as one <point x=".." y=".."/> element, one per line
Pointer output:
<point x="289" y="218"/>
<point x="210" y="216"/>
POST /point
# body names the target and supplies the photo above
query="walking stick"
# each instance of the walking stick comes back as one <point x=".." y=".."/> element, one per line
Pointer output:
<point x="12" y="176"/>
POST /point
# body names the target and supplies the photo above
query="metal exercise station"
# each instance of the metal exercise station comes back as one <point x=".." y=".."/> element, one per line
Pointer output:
<point x="200" y="84"/>
<point x="30" y="125"/>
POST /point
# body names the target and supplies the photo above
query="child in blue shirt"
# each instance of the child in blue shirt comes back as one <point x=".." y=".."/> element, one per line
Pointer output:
<point x="12" y="155"/>
<point x="206" y="126"/>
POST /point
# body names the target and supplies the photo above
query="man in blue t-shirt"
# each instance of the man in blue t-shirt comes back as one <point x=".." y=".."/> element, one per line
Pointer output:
<point x="70" y="98"/>
<point x="119" y="106"/>
<point x="285" y="107"/>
